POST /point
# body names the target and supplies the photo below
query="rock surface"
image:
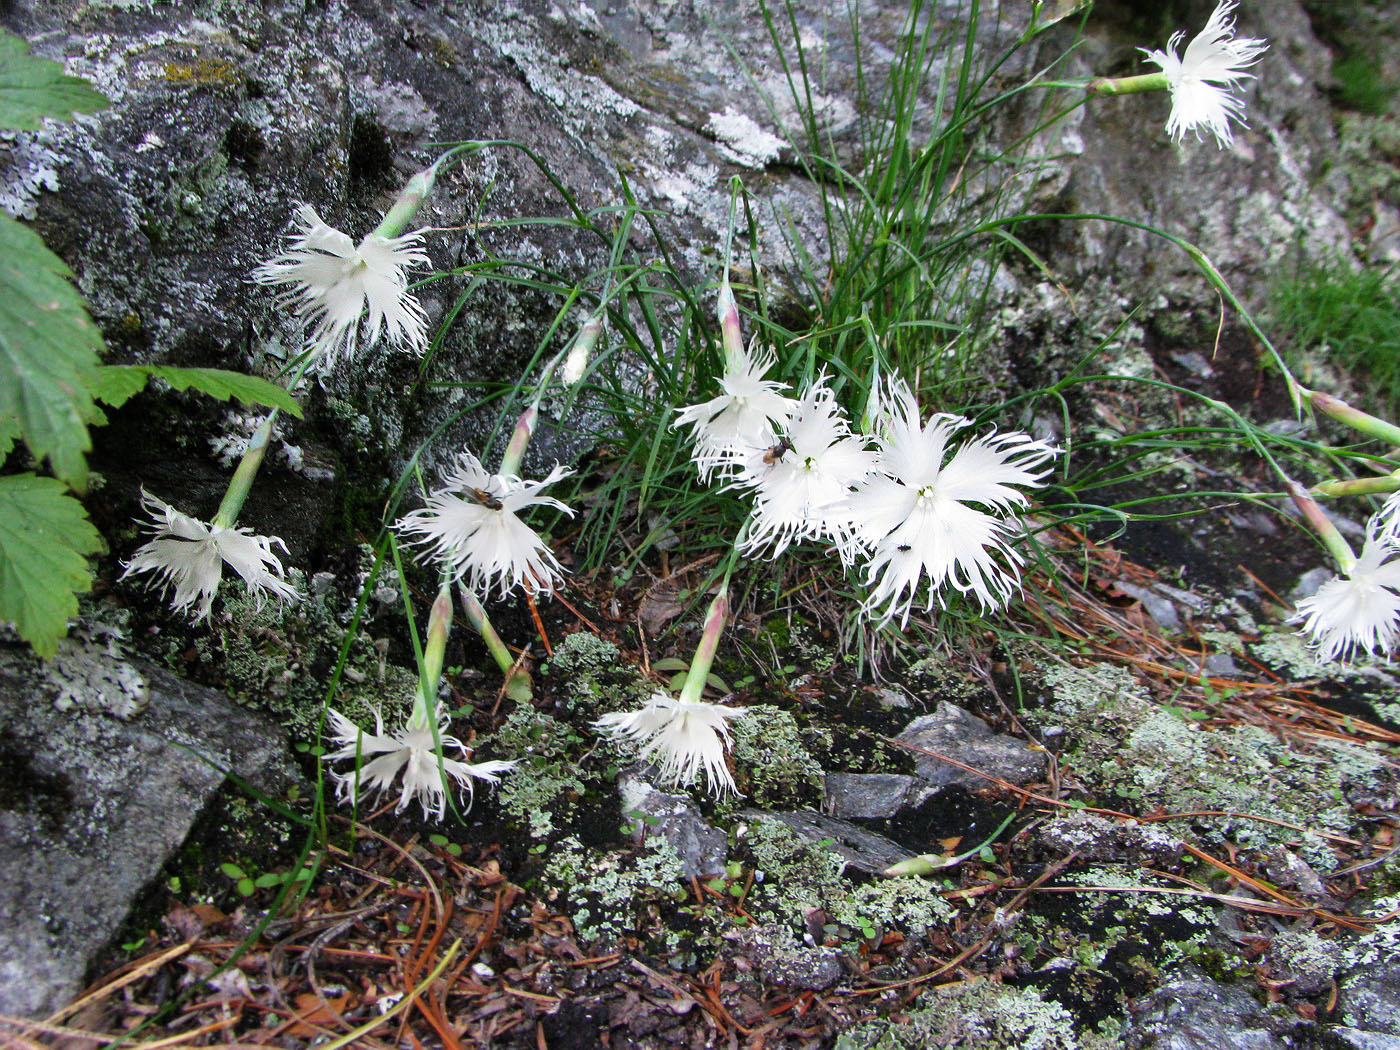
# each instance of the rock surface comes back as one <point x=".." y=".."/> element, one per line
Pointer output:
<point x="962" y="736"/>
<point x="703" y="849"/>
<point x="92" y="803"/>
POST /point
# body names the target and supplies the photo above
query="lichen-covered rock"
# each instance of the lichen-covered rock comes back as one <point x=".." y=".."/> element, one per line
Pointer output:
<point x="1193" y="1012"/>
<point x="960" y="735"/>
<point x="92" y="802"/>
<point x="649" y="812"/>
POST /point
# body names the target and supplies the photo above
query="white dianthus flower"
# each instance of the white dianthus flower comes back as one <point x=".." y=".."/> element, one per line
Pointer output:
<point x="471" y="525"/>
<point x="802" y="483"/>
<point x="1358" y="611"/>
<point x="726" y="428"/>
<point x="1201" y="79"/>
<point x="929" y="514"/>
<point x="189" y="555"/>
<point x="684" y="738"/>
<point x="412" y="751"/>
<point x="333" y="281"/>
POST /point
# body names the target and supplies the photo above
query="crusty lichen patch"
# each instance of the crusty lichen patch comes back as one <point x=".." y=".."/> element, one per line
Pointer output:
<point x="1138" y="755"/>
<point x="978" y="1015"/>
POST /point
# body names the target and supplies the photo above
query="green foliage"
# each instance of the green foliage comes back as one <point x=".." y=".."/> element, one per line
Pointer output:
<point x="32" y="88"/>
<point x="1350" y="313"/>
<point x="45" y="539"/>
<point x="49" y="345"/>
<point x="116" y="384"/>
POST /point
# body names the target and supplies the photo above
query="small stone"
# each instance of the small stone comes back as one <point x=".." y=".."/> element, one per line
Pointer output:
<point x="1290" y="871"/>
<point x="951" y="731"/>
<point x="1309" y="582"/>
<point x="781" y="960"/>
<point x="703" y="849"/>
<point x="867" y="795"/>
<point x="1193" y="1012"/>
<point x="1099" y="839"/>
<point x="861" y="849"/>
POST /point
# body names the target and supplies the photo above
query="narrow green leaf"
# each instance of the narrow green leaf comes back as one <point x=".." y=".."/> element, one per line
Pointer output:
<point x="32" y="88"/>
<point x="45" y="538"/>
<point x="48" y="352"/>
<point x="116" y="384"/>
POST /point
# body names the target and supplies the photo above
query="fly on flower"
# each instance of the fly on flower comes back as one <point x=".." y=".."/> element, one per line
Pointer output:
<point x="471" y="526"/>
<point x="803" y="482"/>
<point x="929" y="514"/>
<point x="189" y="555"/>
<point x="333" y="281"/>
<point x="1201" y="80"/>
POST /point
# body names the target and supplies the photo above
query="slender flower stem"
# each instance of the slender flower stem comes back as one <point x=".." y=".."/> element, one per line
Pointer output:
<point x="518" y="686"/>
<point x="1322" y="525"/>
<point x="1366" y="423"/>
<point x="1129" y="85"/>
<point x="414" y="193"/>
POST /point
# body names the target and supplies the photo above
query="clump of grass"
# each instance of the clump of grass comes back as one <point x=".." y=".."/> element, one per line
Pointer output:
<point x="1348" y="313"/>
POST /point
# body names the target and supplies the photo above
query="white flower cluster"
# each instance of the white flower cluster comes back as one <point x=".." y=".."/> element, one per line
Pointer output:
<point x="906" y="502"/>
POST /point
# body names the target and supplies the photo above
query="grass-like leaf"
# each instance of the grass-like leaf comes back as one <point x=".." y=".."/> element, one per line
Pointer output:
<point x="116" y="384"/>
<point x="48" y="349"/>
<point x="45" y="539"/>
<point x="32" y="88"/>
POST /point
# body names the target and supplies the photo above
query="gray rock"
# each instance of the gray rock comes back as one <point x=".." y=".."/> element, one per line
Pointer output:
<point x="951" y="731"/>
<point x="703" y="849"/>
<point x="781" y="960"/>
<point x="1162" y="611"/>
<point x="1370" y="997"/>
<point x="92" y="805"/>
<point x="1192" y="1012"/>
<point x="863" y="850"/>
<point x="1309" y="582"/>
<point x="1097" y="838"/>
<point x="870" y="795"/>
<point x="1355" y="1039"/>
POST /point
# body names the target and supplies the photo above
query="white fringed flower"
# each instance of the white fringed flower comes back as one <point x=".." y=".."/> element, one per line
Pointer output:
<point x="333" y="281"/>
<point x="802" y="484"/>
<point x="478" y="535"/>
<point x="1388" y="520"/>
<point x="746" y="416"/>
<point x="945" y="518"/>
<point x="1358" y="611"/>
<point x="683" y="737"/>
<point x="1201" y="80"/>
<point x="189" y="555"/>
<point x="411" y="751"/>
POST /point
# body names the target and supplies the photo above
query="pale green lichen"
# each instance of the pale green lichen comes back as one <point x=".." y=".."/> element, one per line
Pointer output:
<point x="773" y="766"/>
<point x="278" y="658"/>
<point x="1125" y="745"/>
<point x="793" y="876"/>
<point x="979" y="1015"/>
<point x="617" y="893"/>
<point x="545" y="783"/>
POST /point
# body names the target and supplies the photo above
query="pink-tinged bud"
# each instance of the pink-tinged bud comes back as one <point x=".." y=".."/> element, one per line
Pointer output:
<point x="1321" y="524"/>
<point x="519" y="441"/>
<point x="408" y="202"/>
<point x="577" y="360"/>
<point x="731" y="333"/>
<point x="699" y="671"/>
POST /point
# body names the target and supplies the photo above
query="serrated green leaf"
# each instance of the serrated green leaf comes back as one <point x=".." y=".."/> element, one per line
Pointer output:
<point x="32" y="88"/>
<point x="48" y="352"/>
<point x="45" y="538"/>
<point x="116" y="384"/>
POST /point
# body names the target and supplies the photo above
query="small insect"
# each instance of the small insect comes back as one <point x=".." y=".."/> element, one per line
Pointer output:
<point x="777" y="452"/>
<point x="485" y="498"/>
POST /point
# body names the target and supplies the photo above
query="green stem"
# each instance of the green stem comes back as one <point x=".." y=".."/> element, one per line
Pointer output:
<point x="518" y="686"/>
<point x="1359" y="486"/>
<point x="1129" y="85"/>
<point x="1321" y="524"/>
